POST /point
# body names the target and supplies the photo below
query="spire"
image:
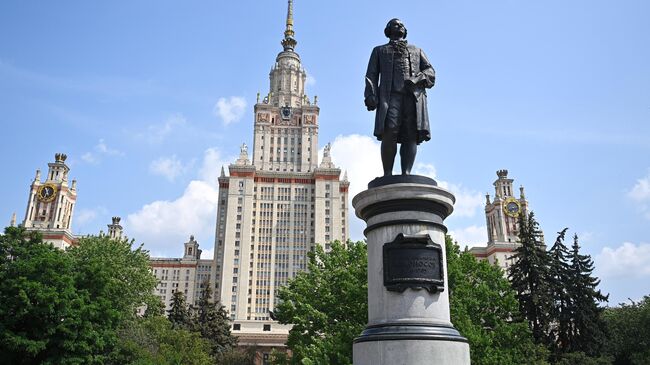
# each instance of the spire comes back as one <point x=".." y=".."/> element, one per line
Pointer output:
<point x="289" y="43"/>
<point x="13" y="220"/>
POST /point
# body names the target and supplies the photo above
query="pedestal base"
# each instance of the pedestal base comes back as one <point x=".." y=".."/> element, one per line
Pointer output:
<point x="411" y="352"/>
<point x="409" y="326"/>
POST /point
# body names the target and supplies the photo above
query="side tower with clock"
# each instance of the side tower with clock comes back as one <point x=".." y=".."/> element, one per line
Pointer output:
<point x="503" y="212"/>
<point x="51" y="204"/>
<point x="501" y="215"/>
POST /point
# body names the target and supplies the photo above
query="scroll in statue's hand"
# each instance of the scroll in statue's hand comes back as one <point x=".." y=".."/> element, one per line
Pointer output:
<point x="410" y="84"/>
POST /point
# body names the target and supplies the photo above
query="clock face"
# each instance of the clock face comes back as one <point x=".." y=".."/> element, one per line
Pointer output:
<point x="286" y="112"/>
<point x="511" y="207"/>
<point x="46" y="193"/>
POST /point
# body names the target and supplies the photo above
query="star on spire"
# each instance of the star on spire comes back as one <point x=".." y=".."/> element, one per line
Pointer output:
<point x="289" y="42"/>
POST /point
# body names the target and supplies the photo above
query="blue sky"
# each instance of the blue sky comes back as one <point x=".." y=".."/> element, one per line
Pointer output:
<point x="149" y="99"/>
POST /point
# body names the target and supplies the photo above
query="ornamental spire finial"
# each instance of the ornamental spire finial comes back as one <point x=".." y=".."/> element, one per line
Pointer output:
<point x="289" y="43"/>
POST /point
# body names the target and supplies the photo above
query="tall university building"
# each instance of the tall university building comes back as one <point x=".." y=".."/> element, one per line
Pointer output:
<point x="278" y="204"/>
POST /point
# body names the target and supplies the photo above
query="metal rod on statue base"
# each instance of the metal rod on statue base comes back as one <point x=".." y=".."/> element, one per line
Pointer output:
<point x="408" y="296"/>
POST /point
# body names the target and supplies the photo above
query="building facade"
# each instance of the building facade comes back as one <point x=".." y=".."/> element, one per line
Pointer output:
<point x="188" y="274"/>
<point x="501" y="216"/>
<point x="276" y="205"/>
<point x="51" y="203"/>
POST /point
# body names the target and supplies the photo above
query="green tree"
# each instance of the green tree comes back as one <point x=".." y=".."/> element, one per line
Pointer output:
<point x="327" y="305"/>
<point x="153" y="341"/>
<point x="41" y="312"/>
<point x="179" y="312"/>
<point x="60" y="307"/>
<point x="587" y="331"/>
<point x="211" y="321"/>
<point x="237" y="356"/>
<point x="580" y="358"/>
<point x="484" y="309"/>
<point x="530" y="278"/>
<point x="561" y="313"/>
<point x="628" y="328"/>
<point x="118" y="280"/>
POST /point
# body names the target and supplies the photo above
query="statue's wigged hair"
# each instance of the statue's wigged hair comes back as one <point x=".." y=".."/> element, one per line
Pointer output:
<point x="387" y="29"/>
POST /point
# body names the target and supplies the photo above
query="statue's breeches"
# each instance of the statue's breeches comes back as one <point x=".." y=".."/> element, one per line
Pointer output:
<point x="400" y="122"/>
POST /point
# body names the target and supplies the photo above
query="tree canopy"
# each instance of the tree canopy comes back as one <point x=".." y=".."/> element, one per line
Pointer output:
<point x="60" y="307"/>
<point x="328" y="308"/>
<point x="484" y="309"/>
<point x="628" y="329"/>
<point x="530" y="278"/>
<point x="327" y="305"/>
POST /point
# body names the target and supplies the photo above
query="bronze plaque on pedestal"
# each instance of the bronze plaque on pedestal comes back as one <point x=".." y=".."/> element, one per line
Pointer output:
<point x="413" y="261"/>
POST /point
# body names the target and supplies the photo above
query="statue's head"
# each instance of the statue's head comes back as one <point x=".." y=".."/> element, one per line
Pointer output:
<point x="395" y="29"/>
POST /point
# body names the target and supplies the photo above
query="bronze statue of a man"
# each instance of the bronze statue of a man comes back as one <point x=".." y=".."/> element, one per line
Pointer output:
<point x="400" y="98"/>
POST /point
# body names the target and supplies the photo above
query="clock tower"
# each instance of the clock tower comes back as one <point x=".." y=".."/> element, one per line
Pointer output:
<point x="503" y="212"/>
<point x="502" y="215"/>
<point x="51" y="204"/>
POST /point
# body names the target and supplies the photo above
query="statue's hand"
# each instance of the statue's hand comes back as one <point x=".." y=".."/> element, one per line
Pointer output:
<point x="410" y="85"/>
<point x="371" y="102"/>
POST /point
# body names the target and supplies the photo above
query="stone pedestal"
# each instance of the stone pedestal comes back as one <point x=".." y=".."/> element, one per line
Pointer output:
<point x="410" y="326"/>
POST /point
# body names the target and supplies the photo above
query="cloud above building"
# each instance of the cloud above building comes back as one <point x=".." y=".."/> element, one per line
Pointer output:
<point x="100" y="150"/>
<point x="159" y="132"/>
<point x="169" y="167"/>
<point x="364" y="167"/>
<point x="471" y="236"/>
<point x="163" y="225"/>
<point x="230" y="110"/>
<point x="640" y="194"/>
<point x="629" y="260"/>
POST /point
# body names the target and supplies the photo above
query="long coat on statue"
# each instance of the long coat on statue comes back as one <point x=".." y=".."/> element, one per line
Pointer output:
<point x="422" y="74"/>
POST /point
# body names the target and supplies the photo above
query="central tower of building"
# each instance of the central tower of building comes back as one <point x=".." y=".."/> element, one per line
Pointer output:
<point x="277" y="205"/>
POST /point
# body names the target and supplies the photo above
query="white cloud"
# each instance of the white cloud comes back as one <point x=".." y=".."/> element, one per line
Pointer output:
<point x="467" y="201"/>
<point x="310" y="80"/>
<point x="231" y="109"/>
<point x="164" y="225"/>
<point x="363" y="167"/>
<point x="169" y="167"/>
<point x="100" y="149"/>
<point x="640" y="194"/>
<point x="425" y="169"/>
<point x="367" y="165"/>
<point x="628" y="260"/>
<point x="212" y="163"/>
<point x="158" y="133"/>
<point x="207" y="254"/>
<point x="84" y="216"/>
<point x="89" y="157"/>
<point x="85" y="220"/>
<point x="470" y="236"/>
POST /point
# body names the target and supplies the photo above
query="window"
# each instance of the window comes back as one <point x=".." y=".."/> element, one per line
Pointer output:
<point x="236" y="327"/>
<point x="267" y="327"/>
